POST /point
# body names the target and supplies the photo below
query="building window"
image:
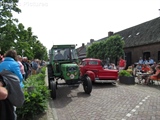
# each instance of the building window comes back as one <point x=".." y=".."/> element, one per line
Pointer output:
<point x="146" y="55"/>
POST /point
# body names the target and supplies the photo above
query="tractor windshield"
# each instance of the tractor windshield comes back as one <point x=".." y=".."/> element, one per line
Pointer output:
<point x="65" y="54"/>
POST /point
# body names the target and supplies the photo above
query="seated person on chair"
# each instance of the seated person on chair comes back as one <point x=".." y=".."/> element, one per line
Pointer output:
<point x="154" y="67"/>
<point x="155" y="76"/>
<point x="138" y="68"/>
<point x="145" y="69"/>
<point x="58" y="56"/>
<point x="130" y="69"/>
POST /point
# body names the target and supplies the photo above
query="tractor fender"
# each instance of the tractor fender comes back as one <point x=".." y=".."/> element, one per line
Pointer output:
<point x="91" y="75"/>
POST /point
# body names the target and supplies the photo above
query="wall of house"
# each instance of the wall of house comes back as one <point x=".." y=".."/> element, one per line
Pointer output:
<point x="137" y="52"/>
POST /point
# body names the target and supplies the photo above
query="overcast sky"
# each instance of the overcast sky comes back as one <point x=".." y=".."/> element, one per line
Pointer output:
<point x="78" y="21"/>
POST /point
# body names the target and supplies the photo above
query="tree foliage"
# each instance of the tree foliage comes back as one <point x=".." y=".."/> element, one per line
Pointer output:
<point x="13" y="35"/>
<point x="96" y="50"/>
<point x="111" y="47"/>
<point x="114" y="47"/>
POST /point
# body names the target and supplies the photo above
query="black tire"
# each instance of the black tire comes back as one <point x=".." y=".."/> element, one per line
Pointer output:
<point x="50" y="75"/>
<point x="49" y="83"/>
<point x="53" y="89"/>
<point x="87" y="85"/>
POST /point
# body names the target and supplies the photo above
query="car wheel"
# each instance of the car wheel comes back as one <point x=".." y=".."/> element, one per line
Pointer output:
<point x="87" y="85"/>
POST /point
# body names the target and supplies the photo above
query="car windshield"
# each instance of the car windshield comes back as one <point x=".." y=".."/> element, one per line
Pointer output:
<point x="65" y="54"/>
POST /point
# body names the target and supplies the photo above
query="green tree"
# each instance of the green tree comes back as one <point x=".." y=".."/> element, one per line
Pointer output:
<point x="13" y="35"/>
<point x="111" y="47"/>
<point x="114" y="47"/>
<point x="25" y="41"/>
<point x="40" y="51"/>
<point x="91" y="50"/>
<point x="96" y="50"/>
<point x="7" y="24"/>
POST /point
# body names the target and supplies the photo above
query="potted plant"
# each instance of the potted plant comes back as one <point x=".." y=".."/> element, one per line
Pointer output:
<point x="126" y="78"/>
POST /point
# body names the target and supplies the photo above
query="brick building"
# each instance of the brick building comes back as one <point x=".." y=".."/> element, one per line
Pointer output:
<point x="142" y="40"/>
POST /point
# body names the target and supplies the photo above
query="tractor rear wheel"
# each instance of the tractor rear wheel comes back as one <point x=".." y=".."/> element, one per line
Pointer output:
<point x="50" y="75"/>
<point x="53" y="89"/>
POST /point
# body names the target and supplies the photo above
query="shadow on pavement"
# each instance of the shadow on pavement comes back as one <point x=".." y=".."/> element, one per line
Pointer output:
<point x="103" y="85"/>
<point x="83" y="95"/>
<point x="65" y="94"/>
<point x="154" y="86"/>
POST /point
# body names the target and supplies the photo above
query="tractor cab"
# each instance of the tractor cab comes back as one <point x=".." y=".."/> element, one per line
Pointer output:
<point x="65" y="54"/>
<point x="62" y="56"/>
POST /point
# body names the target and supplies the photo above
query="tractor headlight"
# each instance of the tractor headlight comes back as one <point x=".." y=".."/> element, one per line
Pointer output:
<point x="68" y="74"/>
<point x="75" y="73"/>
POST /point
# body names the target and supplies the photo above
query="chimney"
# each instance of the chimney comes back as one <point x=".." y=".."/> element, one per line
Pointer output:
<point x="91" y="40"/>
<point x="82" y="44"/>
<point x="110" y="33"/>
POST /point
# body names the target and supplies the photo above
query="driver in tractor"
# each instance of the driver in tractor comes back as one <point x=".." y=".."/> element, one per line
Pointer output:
<point x="58" y="56"/>
<point x="66" y="54"/>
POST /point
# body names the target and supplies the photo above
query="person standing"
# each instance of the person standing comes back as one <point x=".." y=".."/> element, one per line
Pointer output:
<point x="34" y="65"/>
<point x="151" y="61"/>
<point x="10" y="64"/>
<point x="145" y="61"/>
<point x="140" y="61"/>
<point x="19" y="60"/>
<point x="121" y="64"/>
<point x="26" y="66"/>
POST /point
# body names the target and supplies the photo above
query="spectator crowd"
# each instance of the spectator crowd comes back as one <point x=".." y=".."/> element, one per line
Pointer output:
<point x="147" y="71"/>
<point x="14" y="69"/>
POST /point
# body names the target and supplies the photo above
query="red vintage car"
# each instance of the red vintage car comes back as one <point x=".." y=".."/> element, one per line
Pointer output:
<point x="95" y="70"/>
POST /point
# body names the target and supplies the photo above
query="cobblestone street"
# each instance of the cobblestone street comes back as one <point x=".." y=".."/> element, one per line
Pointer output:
<point x="106" y="102"/>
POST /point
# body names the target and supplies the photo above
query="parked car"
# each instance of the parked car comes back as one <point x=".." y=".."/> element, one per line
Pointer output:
<point x="94" y="69"/>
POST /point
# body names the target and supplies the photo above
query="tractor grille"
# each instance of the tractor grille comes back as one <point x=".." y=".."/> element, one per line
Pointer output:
<point x="71" y="69"/>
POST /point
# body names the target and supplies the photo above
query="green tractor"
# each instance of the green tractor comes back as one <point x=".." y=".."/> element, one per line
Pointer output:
<point x="63" y="65"/>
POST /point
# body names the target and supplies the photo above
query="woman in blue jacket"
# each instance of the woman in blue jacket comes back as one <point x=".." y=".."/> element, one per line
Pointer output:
<point x="10" y="63"/>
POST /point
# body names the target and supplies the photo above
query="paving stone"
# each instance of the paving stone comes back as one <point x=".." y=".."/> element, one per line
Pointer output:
<point x="106" y="102"/>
